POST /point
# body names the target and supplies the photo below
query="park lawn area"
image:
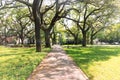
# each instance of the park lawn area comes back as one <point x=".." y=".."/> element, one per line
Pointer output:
<point x="97" y="62"/>
<point x="18" y="63"/>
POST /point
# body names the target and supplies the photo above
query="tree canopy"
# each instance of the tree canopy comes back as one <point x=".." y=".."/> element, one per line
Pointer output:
<point x="83" y="19"/>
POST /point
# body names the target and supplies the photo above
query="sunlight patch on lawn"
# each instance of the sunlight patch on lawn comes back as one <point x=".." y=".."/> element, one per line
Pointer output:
<point x="107" y="70"/>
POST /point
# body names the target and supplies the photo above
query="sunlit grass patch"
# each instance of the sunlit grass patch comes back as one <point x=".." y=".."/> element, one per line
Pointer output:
<point x="18" y="63"/>
<point x="99" y="63"/>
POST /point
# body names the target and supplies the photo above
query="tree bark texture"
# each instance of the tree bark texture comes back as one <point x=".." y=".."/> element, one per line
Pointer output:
<point x="84" y="39"/>
<point x="35" y="9"/>
<point x="75" y="40"/>
<point x="47" y="38"/>
<point x="54" y="38"/>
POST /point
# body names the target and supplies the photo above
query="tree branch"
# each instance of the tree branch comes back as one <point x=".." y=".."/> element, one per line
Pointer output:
<point x="24" y="2"/>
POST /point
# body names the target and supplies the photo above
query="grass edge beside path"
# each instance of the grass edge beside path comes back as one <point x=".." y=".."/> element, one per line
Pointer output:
<point x="18" y="63"/>
<point x="98" y="62"/>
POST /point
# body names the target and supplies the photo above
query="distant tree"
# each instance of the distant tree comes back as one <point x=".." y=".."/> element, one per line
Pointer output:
<point x="112" y="34"/>
<point x="72" y="29"/>
<point x="100" y="22"/>
<point x="21" y="23"/>
<point x="85" y="10"/>
<point x="4" y="26"/>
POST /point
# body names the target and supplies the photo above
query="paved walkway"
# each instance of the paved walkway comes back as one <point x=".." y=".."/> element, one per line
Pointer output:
<point x="57" y="66"/>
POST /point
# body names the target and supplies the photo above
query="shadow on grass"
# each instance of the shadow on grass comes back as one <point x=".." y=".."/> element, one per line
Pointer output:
<point x="86" y="56"/>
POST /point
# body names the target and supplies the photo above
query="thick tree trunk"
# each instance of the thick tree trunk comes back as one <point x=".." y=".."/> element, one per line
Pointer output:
<point x="22" y="38"/>
<point x="75" y="40"/>
<point x="22" y="41"/>
<point x="54" y="39"/>
<point x="38" y="38"/>
<point x="35" y="9"/>
<point x="84" y="40"/>
<point x="47" y="38"/>
<point x="91" y="39"/>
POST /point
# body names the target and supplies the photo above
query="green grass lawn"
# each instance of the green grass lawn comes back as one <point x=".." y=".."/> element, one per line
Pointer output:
<point x="18" y="63"/>
<point x="98" y="62"/>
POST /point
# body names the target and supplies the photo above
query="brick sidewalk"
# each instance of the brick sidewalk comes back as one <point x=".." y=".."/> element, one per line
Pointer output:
<point x="57" y="66"/>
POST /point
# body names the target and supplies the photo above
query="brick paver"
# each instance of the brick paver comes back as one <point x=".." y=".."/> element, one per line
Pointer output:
<point x="57" y="66"/>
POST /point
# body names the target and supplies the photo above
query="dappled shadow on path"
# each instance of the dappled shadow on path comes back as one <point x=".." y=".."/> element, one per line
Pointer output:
<point x="57" y="66"/>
